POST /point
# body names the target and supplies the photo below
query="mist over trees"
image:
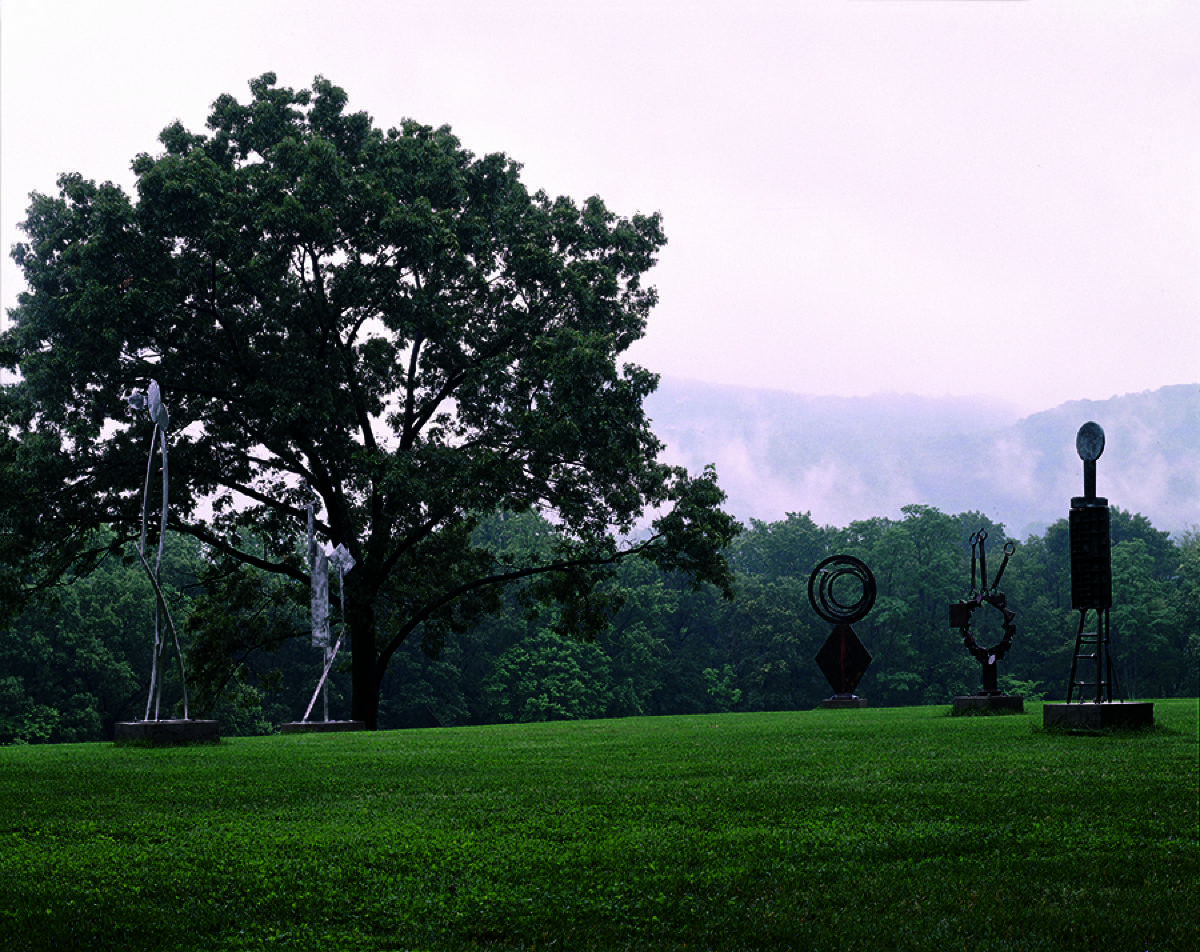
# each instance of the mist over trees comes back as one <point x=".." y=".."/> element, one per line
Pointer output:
<point x="79" y="660"/>
<point x="847" y="458"/>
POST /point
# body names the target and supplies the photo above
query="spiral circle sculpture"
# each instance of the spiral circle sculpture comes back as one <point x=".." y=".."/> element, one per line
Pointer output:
<point x="823" y="582"/>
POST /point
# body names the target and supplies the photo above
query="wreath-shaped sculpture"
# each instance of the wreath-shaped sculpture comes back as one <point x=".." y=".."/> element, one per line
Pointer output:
<point x="961" y="612"/>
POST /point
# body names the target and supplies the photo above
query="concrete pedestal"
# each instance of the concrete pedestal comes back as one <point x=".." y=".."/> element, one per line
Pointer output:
<point x="844" y="700"/>
<point x="1090" y="716"/>
<point x="175" y="733"/>
<point x="988" y="704"/>
<point x="321" y="727"/>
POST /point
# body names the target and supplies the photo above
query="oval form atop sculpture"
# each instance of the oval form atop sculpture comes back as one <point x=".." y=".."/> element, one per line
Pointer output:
<point x="1089" y="442"/>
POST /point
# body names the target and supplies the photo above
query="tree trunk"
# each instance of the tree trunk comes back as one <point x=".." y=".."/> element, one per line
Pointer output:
<point x="364" y="679"/>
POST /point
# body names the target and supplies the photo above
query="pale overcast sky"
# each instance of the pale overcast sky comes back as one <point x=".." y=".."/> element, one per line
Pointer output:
<point x="996" y="197"/>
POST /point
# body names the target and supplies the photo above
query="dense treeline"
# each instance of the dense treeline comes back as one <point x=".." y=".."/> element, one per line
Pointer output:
<point x="78" y="661"/>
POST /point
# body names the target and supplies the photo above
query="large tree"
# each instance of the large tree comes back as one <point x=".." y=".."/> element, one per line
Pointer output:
<point x="382" y="319"/>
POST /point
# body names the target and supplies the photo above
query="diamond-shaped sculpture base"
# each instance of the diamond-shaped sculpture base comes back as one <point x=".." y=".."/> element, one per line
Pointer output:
<point x="321" y="727"/>
<point x="843" y="660"/>
<point x="988" y="704"/>
<point x="841" y="701"/>
<point x="1090" y="716"/>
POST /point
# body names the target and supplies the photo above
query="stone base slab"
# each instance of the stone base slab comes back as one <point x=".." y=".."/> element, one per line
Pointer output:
<point x="321" y="727"/>
<point x="1091" y="716"/>
<point x="988" y="704"/>
<point x="841" y="701"/>
<point x="173" y="733"/>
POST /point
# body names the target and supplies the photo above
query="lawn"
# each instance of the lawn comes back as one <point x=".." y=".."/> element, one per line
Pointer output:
<point x="853" y="829"/>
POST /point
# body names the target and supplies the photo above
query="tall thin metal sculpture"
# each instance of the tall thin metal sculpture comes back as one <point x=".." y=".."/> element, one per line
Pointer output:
<point x="318" y="573"/>
<point x="319" y="562"/>
<point x="151" y="401"/>
<point x="322" y="557"/>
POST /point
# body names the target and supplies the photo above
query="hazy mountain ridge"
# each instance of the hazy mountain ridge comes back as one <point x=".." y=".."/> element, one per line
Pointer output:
<point x="847" y="458"/>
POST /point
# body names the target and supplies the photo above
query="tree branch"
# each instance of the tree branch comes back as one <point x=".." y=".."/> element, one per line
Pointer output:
<point x="201" y="532"/>
<point x="500" y="578"/>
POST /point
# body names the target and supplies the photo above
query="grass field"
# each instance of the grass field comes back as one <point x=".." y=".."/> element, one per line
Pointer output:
<point x="873" y="829"/>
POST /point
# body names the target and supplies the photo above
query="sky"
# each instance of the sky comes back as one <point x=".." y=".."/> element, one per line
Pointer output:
<point x="992" y="198"/>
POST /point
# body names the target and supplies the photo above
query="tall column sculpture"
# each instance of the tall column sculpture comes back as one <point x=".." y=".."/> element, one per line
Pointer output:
<point x="1092" y="682"/>
<point x="1091" y="574"/>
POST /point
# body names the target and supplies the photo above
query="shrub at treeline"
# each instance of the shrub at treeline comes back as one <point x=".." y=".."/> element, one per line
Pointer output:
<point x="75" y="664"/>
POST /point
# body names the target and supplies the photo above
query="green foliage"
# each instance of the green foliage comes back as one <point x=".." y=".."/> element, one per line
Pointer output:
<point x="77" y="660"/>
<point x="385" y="318"/>
<point x="721" y="687"/>
<point x="244" y="671"/>
<point x="899" y="829"/>
<point x="549" y="678"/>
<point x="1185" y="601"/>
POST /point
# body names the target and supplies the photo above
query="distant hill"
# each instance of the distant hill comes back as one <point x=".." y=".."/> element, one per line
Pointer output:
<point x="847" y="458"/>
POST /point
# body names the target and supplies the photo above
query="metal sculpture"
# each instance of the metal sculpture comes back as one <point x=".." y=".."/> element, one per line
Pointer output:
<point x="318" y="573"/>
<point x="1091" y="591"/>
<point x="1091" y="572"/>
<point x="320" y="558"/>
<point x="961" y="612"/>
<point x="842" y="659"/>
<point x="151" y="401"/>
